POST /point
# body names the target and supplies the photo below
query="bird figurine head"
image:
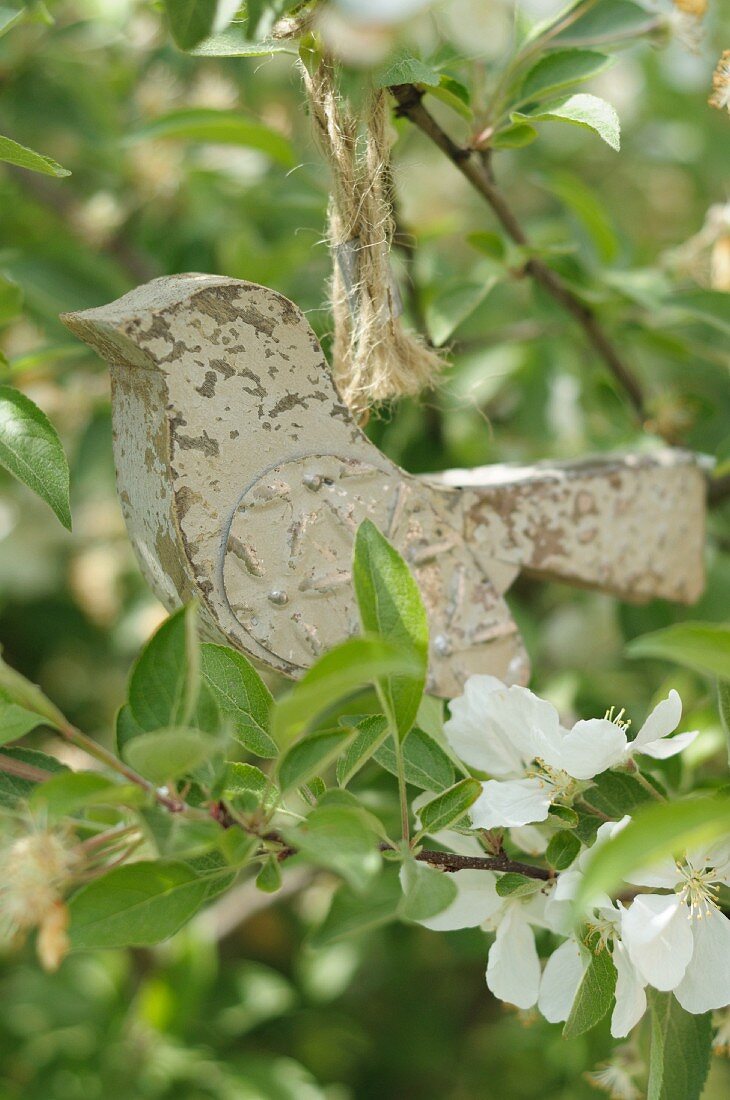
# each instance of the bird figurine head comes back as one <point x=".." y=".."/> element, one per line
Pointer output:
<point x="243" y="479"/>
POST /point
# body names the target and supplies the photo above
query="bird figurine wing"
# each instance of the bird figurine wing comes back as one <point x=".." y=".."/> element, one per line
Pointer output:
<point x="243" y="479"/>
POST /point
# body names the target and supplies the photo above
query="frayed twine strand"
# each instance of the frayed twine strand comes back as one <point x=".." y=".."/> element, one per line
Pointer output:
<point x="374" y="357"/>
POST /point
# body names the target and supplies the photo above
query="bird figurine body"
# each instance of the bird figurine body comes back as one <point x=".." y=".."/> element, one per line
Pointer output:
<point x="243" y="479"/>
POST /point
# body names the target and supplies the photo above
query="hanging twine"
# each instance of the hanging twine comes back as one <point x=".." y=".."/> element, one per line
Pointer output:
<point x="374" y="357"/>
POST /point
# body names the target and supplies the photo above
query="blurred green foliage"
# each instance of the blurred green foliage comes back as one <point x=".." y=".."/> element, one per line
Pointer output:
<point x="229" y="182"/>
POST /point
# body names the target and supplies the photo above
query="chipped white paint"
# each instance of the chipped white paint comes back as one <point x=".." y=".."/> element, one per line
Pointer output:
<point x="243" y="479"/>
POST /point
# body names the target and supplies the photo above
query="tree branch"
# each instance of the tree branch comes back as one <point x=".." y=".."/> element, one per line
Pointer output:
<point x="473" y="168"/>
<point x="450" y="862"/>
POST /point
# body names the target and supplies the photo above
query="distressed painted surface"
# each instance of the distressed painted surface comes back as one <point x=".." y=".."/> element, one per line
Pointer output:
<point x="243" y="479"/>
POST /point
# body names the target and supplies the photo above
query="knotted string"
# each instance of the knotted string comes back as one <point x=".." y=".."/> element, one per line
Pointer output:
<point x="374" y="357"/>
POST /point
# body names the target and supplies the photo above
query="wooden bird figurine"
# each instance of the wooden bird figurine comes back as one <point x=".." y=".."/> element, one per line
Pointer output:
<point x="243" y="479"/>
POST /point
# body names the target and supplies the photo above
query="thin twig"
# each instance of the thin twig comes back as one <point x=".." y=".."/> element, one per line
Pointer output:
<point x="471" y="166"/>
<point x="450" y="862"/>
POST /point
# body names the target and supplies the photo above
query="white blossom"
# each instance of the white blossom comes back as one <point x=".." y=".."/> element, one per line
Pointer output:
<point x="513" y="968"/>
<point x="680" y="941"/>
<point x="512" y="734"/>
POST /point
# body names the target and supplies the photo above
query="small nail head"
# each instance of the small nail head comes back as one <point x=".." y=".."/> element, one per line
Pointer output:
<point x="278" y="597"/>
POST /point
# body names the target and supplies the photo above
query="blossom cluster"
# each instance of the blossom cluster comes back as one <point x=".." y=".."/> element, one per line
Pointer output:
<point x="665" y="930"/>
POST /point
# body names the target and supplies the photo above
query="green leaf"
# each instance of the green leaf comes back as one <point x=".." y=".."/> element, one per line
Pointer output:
<point x="165" y="681"/>
<point x="340" y="673"/>
<point x="135" y="905"/>
<point x="16" y="721"/>
<point x="391" y="606"/>
<point x="126" y="728"/>
<point x="11" y="299"/>
<point x="220" y="127"/>
<point x="657" y="830"/>
<point x="515" y="885"/>
<point x="14" y="688"/>
<point x="351" y="913"/>
<point x="269" y="877"/>
<point x="615" y="794"/>
<point x="681" y="1043"/>
<point x="426" y="891"/>
<point x="515" y="136"/>
<point x="454" y="94"/>
<point x="588" y="209"/>
<point x="562" y="849"/>
<point x="370" y="733"/>
<point x="404" y="68"/>
<point x="243" y="779"/>
<point x="709" y="306"/>
<point x="234" y="42"/>
<point x="31" y="450"/>
<point x="491" y="244"/>
<point x="449" y="806"/>
<point x="569" y="817"/>
<point x="241" y="693"/>
<point x="15" y="791"/>
<point x="453" y="305"/>
<point x="310" y="756"/>
<point x="594" y="996"/>
<point x="723" y="703"/>
<point x="10" y="17"/>
<point x="703" y="647"/>
<point x="190" y="20"/>
<point x="339" y="839"/>
<point x="168" y="753"/>
<point x="609" y="21"/>
<point x="584" y="110"/>
<point x="69" y="792"/>
<point x="560" y="69"/>
<point x="22" y="157"/>
<point x="426" y="764"/>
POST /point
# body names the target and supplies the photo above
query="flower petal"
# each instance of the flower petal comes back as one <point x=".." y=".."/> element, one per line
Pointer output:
<point x="630" y="994"/>
<point x="658" y="938"/>
<point x="474" y="736"/>
<point x="665" y="747"/>
<point x="592" y="746"/>
<point x="476" y="900"/>
<point x="662" y="874"/>
<point x="662" y="721"/>
<point x="513" y="971"/>
<point x="491" y="726"/>
<point x="560" y="980"/>
<point x="510" y="802"/>
<point x="706" y="984"/>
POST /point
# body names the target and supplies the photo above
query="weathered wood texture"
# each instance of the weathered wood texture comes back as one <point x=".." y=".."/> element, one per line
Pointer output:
<point x="243" y="479"/>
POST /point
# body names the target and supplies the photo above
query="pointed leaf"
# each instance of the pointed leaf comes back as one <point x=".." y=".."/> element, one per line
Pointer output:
<point x="584" y="110"/>
<point x="391" y="605"/>
<point x="703" y="647"/>
<point x="680" y="1050"/>
<point x="31" y="450"/>
<point x="594" y="996"/>
<point x="241" y="693"/>
<point x="135" y="905"/>
<point x="450" y="806"/>
<point x="22" y="157"/>
<point x="165" y="681"/>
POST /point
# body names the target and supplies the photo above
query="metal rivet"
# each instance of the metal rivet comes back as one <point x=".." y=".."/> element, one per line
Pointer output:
<point x="278" y="596"/>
